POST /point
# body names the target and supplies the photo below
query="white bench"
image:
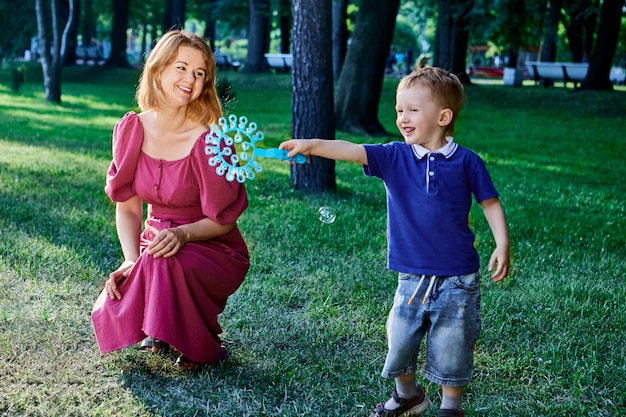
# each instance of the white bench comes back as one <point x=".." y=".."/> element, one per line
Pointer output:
<point x="574" y="72"/>
<point x="225" y="61"/>
<point x="89" y="54"/>
<point x="279" y="62"/>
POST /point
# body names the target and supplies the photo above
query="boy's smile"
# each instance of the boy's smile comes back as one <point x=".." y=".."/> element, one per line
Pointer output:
<point x="420" y="119"/>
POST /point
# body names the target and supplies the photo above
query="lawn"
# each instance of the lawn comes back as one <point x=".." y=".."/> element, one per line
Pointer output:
<point x="306" y="330"/>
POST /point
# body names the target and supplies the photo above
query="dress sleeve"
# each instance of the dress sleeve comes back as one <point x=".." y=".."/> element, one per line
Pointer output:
<point x="127" y="140"/>
<point x="222" y="200"/>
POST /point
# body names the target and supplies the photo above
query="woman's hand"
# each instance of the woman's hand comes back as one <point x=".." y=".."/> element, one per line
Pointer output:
<point x="115" y="277"/>
<point x="167" y="242"/>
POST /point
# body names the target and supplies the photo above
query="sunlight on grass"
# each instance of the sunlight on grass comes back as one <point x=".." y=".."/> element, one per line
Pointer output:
<point x="306" y="331"/>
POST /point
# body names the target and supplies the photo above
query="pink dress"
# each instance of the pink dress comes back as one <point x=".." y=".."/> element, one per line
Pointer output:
<point x="177" y="299"/>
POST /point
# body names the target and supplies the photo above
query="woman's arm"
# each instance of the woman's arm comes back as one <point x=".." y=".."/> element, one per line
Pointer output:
<point x="169" y="241"/>
<point x="128" y="217"/>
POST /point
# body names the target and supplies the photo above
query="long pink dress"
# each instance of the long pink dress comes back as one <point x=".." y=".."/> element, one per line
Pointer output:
<point x="176" y="299"/>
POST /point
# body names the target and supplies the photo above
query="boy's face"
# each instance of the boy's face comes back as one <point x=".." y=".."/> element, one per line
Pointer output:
<point x="420" y="118"/>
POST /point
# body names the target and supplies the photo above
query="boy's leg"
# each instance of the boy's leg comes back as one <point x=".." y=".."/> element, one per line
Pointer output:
<point x="456" y="325"/>
<point x="451" y="399"/>
<point x="404" y="336"/>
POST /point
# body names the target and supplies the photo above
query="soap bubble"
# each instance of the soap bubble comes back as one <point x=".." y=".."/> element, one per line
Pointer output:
<point x="327" y="215"/>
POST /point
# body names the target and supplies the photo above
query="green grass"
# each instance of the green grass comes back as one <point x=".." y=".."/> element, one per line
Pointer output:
<point x="306" y="330"/>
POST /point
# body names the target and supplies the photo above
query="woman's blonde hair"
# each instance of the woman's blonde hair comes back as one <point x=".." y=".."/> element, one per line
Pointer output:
<point x="446" y="89"/>
<point x="207" y="108"/>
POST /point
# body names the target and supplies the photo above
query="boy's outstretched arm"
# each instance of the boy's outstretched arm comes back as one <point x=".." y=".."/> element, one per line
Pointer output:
<point x="500" y="258"/>
<point x="331" y="149"/>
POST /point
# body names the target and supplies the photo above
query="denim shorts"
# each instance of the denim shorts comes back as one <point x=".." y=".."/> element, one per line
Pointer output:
<point x="450" y="320"/>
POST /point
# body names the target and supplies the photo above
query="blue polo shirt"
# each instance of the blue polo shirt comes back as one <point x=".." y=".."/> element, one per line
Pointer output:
<point x="429" y="196"/>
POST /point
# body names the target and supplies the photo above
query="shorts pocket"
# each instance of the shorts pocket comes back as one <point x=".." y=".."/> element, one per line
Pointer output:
<point x="403" y="276"/>
<point x="468" y="282"/>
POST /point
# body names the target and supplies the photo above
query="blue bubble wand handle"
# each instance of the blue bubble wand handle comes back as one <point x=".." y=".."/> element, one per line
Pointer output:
<point x="240" y="165"/>
<point x="281" y="154"/>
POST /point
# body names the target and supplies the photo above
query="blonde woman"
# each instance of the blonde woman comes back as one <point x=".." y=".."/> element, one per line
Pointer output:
<point x="188" y="257"/>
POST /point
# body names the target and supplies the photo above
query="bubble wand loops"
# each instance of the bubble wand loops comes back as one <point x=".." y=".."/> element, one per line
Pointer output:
<point x="240" y="165"/>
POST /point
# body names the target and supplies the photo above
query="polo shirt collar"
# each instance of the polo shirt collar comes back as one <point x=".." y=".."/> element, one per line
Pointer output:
<point x="446" y="151"/>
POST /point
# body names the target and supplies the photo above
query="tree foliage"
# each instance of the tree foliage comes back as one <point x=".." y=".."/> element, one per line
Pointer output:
<point x="19" y="25"/>
<point x="571" y="30"/>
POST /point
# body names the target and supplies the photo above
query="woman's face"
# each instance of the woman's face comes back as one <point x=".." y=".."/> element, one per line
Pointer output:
<point x="182" y="80"/>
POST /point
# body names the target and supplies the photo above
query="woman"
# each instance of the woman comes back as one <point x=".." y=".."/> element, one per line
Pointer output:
<point x="179" y="271"/>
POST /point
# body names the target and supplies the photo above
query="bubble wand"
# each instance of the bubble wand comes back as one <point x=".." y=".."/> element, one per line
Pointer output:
<point x="240" y="165"/>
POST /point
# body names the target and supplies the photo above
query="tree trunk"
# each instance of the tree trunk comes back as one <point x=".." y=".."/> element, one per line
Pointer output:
<point x="340" y="35"/>
<point x="89" y="25"/>
<point x="210" y="25"/>
<point x="443" y="36"/>
<point x="174" y="17"/>
<point x="118" y="34"/>
<point x="258" y="35"/>
<point x="606" y="44"/>
<point x="580" y="29"/>
<point x="284" y="13"/>
<point x="516" y="22"/>
<point x="71" y="40"/>
<point x="360" y="83"/>
<point x="590" y="30"/>
<point x="461" y="40"/>
<point x="574" y="32"/>
<point x="52" y="51"/>
<point x="312" y="90"/>
<point x="550" y="35"/>
<point x="452" y="37"/>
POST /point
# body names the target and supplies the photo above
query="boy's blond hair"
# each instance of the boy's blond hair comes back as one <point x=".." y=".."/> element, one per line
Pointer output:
<point x="207" y="108"/>
<point x="445" y="87"/>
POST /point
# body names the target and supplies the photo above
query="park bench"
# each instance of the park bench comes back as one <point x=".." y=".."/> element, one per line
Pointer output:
<point x="88" y="55"/>
<point x="225" y="61"/>
<point x="279" y="62"/>
<point x="574" y="72"/>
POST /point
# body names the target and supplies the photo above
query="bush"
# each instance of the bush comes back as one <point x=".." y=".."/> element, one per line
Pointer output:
<point x="18" y="77"/>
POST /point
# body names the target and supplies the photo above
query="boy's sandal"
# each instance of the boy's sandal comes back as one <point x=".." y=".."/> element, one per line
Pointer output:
<point x="408" y="407"/>
<point x="152" y="345"/>
<point x="451" y="413"/>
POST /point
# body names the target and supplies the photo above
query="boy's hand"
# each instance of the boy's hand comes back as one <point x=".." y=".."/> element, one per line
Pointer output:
<point x="501" y="260"/>
<point x="296" y="146"/>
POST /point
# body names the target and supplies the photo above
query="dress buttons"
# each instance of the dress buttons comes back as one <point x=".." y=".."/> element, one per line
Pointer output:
<point x="431" y="173"/>
<point x="155" y="186"/>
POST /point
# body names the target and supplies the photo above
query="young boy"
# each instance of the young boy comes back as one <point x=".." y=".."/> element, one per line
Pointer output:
<point x="430" y="181"/>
